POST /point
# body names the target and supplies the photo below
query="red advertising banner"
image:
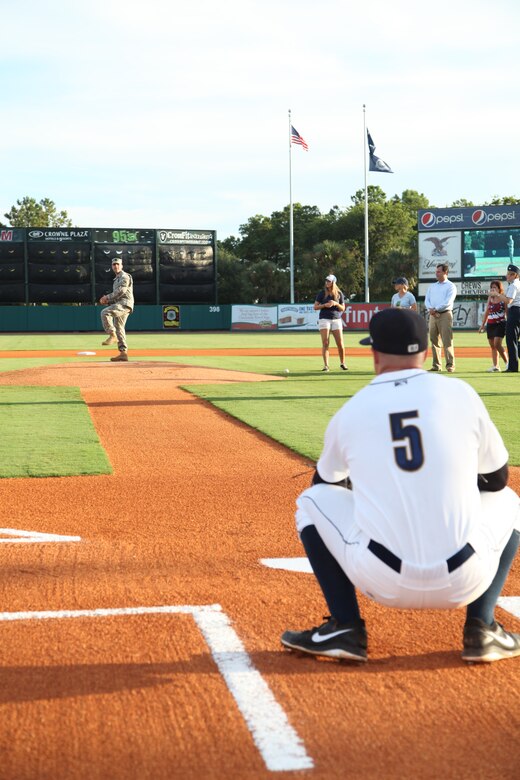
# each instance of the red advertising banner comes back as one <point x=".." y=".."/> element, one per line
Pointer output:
<point x="358" y="315"/>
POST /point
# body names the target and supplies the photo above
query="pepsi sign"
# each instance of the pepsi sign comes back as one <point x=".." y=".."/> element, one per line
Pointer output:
<point x="468" y="218"/>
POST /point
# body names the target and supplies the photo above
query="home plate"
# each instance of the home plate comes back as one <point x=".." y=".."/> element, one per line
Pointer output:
<point x="85" y="353"/>
<point x="288" y="564"/>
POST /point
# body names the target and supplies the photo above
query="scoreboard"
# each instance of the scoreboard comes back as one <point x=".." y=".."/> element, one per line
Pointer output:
<point x="73" y="265"/>
<point x="478" y="243"/>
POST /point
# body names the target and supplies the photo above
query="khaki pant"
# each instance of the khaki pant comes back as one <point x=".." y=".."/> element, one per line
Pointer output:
<point x="441" y="330"/>
<point x="114" y="319"/>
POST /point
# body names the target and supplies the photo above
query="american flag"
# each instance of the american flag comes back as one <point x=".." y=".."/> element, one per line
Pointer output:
<point x="297" y="139"/>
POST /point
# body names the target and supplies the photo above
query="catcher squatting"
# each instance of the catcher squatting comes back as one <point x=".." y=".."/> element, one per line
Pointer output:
<point x="429" y="522"/>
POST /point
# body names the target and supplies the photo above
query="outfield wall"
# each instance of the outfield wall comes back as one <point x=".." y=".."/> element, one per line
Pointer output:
<point x="186" y="317"/>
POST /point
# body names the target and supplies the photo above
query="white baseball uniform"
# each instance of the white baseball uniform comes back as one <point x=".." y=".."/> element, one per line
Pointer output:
<point x="412" y="443"/>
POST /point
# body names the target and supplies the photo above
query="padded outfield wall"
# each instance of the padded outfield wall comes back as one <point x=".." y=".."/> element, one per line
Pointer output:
<point x="185" y="317"/>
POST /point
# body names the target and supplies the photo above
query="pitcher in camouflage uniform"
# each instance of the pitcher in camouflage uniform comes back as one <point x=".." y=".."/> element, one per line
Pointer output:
<point x="114" y="317"/>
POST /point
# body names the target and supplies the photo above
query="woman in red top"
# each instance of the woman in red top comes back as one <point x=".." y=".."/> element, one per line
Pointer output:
<point x="494" y="321"/>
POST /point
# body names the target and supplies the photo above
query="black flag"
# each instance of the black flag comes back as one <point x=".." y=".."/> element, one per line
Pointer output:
<point x="376" y="163"/>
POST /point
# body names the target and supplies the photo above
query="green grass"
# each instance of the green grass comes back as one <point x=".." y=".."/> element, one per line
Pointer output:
<point x="294" y="412"/>
<point x="188" y="340"/>
<point x="48" y="432"/>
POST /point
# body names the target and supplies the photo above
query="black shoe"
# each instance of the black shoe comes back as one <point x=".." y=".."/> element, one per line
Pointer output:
<point x="325" y="368"/>
<point x="484" y="644"/>
<point x="343" y="367"/>
<point x="332" y="639"/>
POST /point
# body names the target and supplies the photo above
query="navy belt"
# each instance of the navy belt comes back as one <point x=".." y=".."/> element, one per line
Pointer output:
<point x="395" y="563"/>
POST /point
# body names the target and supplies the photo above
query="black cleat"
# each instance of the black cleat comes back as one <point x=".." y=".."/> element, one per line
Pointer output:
<point x="484" y="644"/>
<point x="346" y="641"/>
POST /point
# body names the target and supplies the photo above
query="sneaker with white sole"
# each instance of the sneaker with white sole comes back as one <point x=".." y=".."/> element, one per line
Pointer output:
<point x="493" y="369"/>
<point x="325" y="368"/>
<point x="343" y="367"/>
<point x="347" y="641"/>
<point x="485" y="644"/>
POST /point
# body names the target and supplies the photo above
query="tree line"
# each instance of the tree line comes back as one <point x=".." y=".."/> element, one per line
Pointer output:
<point x="254" y="266"/>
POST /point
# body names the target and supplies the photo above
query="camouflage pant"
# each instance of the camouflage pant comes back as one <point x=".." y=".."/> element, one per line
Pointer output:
<point x="114" y="318"/>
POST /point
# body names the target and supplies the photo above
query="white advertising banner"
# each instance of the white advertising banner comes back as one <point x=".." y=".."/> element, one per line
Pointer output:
<point x="467" y="315"/>
<point x="435" y="248"/>
<point x="477" y="287"/>
<point x="295" y="316"/>
<point x="254" y="317"/>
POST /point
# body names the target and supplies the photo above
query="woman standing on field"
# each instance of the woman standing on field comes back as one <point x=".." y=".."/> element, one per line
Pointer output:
<point x="330" y="303"/>
<point x="494" y="322"/>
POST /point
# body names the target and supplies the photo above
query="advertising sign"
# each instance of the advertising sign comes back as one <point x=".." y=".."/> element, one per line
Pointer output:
<point x="11" y="234"/>
<point x="357" y="316"/>
<point x="475" y="287"/>
<point x="198" y="237"/>
<point x="435" y="248"/>
<point x="171" y="317"/>
<point x="465" y="314"/>
<point x="254" y="317"/>
<point x="469" y="218"/>
<point x="297" y="317"/>
<point x="78" y="235"/>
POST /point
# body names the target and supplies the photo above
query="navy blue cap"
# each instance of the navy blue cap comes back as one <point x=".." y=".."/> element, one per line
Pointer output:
<point x="397" y="332"/>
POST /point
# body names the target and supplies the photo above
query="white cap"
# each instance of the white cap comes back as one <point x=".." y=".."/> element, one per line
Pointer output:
<point x="331" y="278"/>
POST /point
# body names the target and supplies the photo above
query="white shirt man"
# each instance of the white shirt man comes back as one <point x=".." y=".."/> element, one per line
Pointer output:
<point x="439" y="302"/>
<point x="418" y="530"/>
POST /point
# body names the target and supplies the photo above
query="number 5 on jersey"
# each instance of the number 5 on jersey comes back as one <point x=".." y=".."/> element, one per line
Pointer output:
<point x="408" y="456"/>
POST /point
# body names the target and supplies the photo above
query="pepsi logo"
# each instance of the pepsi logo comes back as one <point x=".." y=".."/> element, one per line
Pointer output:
<point x="479" y="217"/>
<point x="428" y="219"/>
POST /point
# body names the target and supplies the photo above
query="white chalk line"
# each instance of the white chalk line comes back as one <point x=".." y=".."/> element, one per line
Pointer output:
<point x="288" y="564"/>
<point x="276" y="740"/>
<point x="32" y="537"/>
<point x="510" y="604"/>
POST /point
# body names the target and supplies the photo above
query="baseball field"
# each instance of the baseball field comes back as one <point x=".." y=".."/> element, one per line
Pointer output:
<point x="150" y="564"/>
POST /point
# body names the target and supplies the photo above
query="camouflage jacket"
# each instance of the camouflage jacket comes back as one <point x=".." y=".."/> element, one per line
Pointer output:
<point x="123" y="291"/>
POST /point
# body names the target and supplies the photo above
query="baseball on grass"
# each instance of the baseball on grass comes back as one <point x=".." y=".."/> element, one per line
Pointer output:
<point x="286" y="370"/>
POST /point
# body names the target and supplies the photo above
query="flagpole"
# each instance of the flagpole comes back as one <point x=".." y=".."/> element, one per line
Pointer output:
<point x="291" y="225"/>
<point x="367" y="291"/>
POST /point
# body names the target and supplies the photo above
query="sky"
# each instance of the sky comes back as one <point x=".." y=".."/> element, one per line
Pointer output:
<point x="169" y="114"/>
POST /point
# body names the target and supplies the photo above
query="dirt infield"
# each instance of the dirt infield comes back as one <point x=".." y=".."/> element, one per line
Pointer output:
<point x="281" y="352"/>
<point x="195" y="502"/>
